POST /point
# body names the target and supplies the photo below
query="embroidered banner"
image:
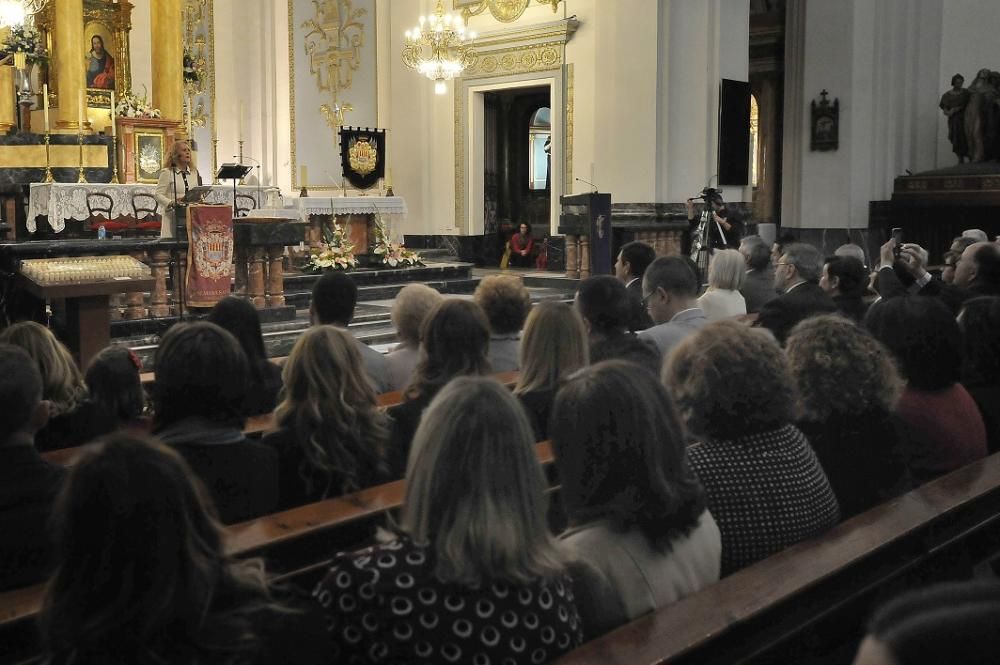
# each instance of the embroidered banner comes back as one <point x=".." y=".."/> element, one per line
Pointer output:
<point x="362" y="155"/>
<point x="210" y="254"/>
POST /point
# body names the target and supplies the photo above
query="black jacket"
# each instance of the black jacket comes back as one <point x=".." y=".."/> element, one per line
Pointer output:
<point x="638" y="315"/>
<point x="802" y="301"/>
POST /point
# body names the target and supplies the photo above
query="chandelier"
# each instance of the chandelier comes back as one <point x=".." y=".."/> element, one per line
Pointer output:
<point x="438" y="47"/>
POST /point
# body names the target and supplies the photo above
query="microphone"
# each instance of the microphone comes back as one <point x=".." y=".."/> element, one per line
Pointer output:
<point x="587" y="182"/>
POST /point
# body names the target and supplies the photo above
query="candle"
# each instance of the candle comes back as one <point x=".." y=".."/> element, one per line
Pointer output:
<point x="303" y="175"/>
<point x="45" y="105"/>
<point x="388" y="179"/>
<point x="190" y="119"/>
<point x="114" y="130"/>
<point x="241" y="122"/>
<point x="79" y="115"/>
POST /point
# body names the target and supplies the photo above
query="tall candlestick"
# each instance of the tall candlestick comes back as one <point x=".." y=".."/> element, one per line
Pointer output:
<point x="79" y="114"/>
<point x="190" y="120"/>
<point x="45" y="104"/>
<point x="114" y="131"/>
<point x="241" y="122"/>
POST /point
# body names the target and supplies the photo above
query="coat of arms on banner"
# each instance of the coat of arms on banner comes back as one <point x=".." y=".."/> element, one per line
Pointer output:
<point x="213" y="250"/>
<point x="362" y="153"/>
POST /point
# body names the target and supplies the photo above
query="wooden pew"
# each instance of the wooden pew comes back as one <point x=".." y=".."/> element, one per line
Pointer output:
<point x="813" y="598"/>
<point x="298" y="543"/>
<point x="258" y="425"/>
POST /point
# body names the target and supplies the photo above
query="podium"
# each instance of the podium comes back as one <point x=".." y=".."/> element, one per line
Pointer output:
<point x="585" y="220"/>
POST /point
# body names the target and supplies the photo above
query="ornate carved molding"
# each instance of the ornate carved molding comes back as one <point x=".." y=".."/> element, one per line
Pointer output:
<point x="505" y="11"/>
<point x="516" y="60"/>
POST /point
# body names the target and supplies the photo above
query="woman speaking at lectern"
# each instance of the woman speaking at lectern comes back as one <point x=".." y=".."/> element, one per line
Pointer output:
<point x="176" y="178"/>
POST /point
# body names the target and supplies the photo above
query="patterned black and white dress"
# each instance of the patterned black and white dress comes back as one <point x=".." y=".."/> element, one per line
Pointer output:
<point x="766" y="491"/>
<point x="385" y="605"/>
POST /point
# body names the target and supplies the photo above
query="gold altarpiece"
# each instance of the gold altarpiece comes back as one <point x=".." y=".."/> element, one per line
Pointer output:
<point x="102" y="17"/>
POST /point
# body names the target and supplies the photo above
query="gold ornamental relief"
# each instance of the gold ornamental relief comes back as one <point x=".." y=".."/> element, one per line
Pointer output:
<point x="517" y="60"/>
<point x="333" y="44"/>
<point x="505" y="11"/>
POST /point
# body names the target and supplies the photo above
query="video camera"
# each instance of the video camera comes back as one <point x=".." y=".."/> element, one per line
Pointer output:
<point x="709" y="194"/>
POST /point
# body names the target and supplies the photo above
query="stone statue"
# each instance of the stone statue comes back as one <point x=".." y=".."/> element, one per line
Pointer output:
<point x="953" y="103"/>
<point x="982" y="116"/>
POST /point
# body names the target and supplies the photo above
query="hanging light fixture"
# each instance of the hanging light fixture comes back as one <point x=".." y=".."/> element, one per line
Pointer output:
<point x="439" y="47"/>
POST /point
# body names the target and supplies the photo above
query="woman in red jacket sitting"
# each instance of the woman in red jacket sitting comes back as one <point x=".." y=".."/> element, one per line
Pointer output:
<point x="521" y="247"/>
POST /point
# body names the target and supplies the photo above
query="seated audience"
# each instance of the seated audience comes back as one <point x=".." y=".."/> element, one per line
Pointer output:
<point x="726" y="274"/>
<point x="847" y="387"/>
<point x="198" y="401"/>
<point x="637" y="512"/>
<point x="474" y="575"/>
<point x="332" y="433"/>
<point x="453" y="342"/>
<point x="553" y="347"/>
<point x="948" y="267"/>
<point x="412" y="305"/>
<point x="240" y="318"/>
<point x="670" y="291"/>
<point x="796" y="276"/>
<point x="977" y="273"/>
<point x="942" y="428"/>
<point x="975" y="235"/>
<point x="951" y="622"/>
<point x="73" y="418"/>
<point x="845" y="280"/>
<point x="980" y="322"/>
<point x="334" y="298"/>
<point x="778" y="247"/>
<point x="143" y="576"/>
<point x="602" y="302"/>
<point x="978" y="270"/>
<point x="28" y="484"/>
<point x="506" y="302"/>
<point x="758" y="284"/>
<point x="116" y="388"/>
<point x="633" y="259"/>
<point x="766" y="489"/>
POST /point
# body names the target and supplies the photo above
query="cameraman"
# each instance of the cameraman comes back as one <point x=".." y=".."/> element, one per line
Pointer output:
<point x="725" y="228"/>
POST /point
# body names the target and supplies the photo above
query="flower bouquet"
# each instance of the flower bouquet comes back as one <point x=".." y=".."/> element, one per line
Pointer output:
<point x="393" y="254"/>
<point x="27" y="40"/>
<point x="134" y="106"/>
<point x="335" y="253"/>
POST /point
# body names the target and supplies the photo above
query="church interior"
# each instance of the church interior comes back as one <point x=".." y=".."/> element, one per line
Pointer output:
<point x="499" y="331"/>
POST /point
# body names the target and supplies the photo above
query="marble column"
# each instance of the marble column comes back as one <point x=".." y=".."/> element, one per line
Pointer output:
<point x="168" y="57"/>
<point x="572" y="259"/>
<point x="159" y="259"/>
<point x="69" y="47"/>
<point x="275" y="276"/>
<point x="255" y="277"/>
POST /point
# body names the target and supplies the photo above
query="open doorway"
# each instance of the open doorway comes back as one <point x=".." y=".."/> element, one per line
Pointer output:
<point x="517" y="164"/>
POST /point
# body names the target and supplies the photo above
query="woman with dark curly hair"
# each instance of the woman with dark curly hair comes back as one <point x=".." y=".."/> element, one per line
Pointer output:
<point x="637" y="512"/>
<point x="454" y="340"/>
<point x="847" y="387"/>
<point x="980" y="321"/>
<point x="765" y="487"/>
<point x="942" y="427"/>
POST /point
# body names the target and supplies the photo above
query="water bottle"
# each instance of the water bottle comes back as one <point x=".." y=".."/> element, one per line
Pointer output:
<point x="102" y="232"/>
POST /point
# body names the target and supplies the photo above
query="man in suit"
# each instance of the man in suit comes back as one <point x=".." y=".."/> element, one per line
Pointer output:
<point x="633" y="259"/>
<point x="670" y="291"/>
<point x="333" y="301"/>
<point x="758" y="287"/>
<point x="797" y="275"/>
<point x="28" y="484"/>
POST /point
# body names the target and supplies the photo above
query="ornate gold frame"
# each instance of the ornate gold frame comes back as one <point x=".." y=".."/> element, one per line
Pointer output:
<point x="500" y="55"/>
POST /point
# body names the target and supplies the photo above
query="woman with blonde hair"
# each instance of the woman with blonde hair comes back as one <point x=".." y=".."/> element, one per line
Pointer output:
<point x="474" y="576"/>
<point x="409" y="310"/>
<point x="554" y="345"/>
<point x="142" y="574"/>
<point x="847" y="387"/>
<point x="332" y="433"/>
<point x="73" y="419"/>
<point x="726" y="274"/>
<point x="178" y="176"/>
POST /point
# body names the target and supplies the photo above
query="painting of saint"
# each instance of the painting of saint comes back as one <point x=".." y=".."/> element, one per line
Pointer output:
<point x="100" y="66"/>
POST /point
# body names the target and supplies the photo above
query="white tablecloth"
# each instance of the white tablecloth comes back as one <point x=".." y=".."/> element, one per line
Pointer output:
<point x="350" y="205"/>
<point x="60" y="201"/>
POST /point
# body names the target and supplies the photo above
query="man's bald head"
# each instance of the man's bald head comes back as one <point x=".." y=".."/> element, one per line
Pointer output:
<point x="979" y="264"/>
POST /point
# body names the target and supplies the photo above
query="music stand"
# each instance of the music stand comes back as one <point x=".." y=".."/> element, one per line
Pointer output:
<point x="234" y="172"/>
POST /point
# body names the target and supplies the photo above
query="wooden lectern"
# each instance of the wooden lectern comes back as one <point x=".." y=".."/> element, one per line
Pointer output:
<point x="585" y="220"/>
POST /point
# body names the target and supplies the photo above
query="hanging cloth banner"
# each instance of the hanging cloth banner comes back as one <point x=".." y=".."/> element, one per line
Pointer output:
<point x="362" y="155"/>
<point x="210" y="254"/>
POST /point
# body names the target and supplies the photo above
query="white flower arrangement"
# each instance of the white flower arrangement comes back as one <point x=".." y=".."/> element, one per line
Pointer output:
<point x="134" y="106"/>
<point x="394" y="254"/>
<point x="335" y="253"/>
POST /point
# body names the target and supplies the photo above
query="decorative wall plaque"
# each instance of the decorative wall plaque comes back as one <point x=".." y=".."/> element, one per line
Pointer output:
<point x="825" y="124"/>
